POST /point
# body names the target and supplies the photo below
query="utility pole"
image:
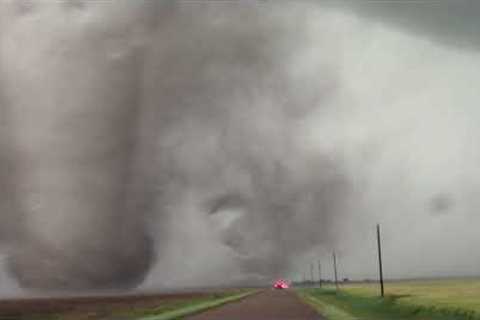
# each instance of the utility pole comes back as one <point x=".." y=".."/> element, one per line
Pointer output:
<point x="311" y="273"/>
<point x="335" y="270"/>
<point x="380" y="267"/>
<point x="319" y="274"/>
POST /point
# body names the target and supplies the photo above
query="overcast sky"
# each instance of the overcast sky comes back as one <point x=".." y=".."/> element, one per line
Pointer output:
<point x="406" y="122"/>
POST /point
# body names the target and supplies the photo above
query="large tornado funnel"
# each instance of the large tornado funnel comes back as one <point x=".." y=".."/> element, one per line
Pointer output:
<point x="71" y="88"/>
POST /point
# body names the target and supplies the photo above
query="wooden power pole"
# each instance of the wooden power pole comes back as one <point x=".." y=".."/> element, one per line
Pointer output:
<point x="311" y="273"/>
<point x="319" y="274"/>
<point x="380" y="267"/>
<point x="335" y="270"/>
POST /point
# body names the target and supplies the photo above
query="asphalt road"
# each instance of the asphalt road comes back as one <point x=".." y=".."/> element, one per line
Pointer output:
<point x="267" y="305"/>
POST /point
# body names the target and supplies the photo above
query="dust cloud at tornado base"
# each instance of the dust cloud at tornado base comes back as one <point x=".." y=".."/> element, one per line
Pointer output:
<point x="219" y="143"/>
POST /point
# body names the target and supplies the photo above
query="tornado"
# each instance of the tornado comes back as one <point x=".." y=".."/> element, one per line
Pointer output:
<point x="71" y="75"/>
<point x="135" y="133"/>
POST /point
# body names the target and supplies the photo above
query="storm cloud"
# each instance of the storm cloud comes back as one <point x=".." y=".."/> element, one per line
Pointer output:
<point x="208" y="143"/>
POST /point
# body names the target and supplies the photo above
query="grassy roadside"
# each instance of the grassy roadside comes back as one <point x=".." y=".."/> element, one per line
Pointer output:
<point x="349" y="306"/>
<point x="328" y="310"/>
<point x="196" y="307"/>
<point x="161" y="309"/>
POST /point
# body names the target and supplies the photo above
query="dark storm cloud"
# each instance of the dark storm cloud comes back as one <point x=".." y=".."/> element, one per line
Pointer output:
<point x="116" y="110"/>
<point x="226" y="102"/>
<point x="453" y="23"/>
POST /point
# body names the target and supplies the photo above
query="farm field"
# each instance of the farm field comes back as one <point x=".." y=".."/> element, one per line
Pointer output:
<point x="114" y="307"/>
<point x="435" y="299"/>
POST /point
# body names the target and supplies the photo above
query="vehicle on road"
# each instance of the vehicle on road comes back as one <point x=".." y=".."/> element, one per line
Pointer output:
<point x="281" y="284"/>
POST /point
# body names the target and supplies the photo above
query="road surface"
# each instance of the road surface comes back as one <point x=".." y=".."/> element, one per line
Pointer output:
<point x="267" y="305"/>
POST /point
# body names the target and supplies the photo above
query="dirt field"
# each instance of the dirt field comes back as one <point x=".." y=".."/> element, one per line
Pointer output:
<point x="267" y="305"/>
<point x="88" y="307"/>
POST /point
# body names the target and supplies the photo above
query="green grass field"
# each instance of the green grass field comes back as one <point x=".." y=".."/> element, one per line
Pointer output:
<point x="439" y="299"/>
<point x="450" y="294"/>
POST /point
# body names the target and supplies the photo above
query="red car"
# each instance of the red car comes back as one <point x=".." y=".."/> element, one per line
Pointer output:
<point x="280" y="284"/>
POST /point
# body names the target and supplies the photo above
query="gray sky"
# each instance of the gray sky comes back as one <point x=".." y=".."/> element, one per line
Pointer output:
<point x="407" y="122"/>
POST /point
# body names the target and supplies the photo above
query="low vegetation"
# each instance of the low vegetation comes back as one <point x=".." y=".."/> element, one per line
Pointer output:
<point x="434" y="300"/>
<point x="155" y="307"/>
<point x="194" y="307"/>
